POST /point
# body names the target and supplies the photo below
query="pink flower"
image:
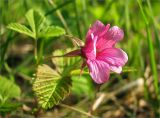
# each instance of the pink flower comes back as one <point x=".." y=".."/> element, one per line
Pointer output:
<point x="100" y="52"/>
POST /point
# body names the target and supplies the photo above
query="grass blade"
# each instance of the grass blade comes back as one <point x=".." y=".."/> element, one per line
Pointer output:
<point x="151" y="49"/>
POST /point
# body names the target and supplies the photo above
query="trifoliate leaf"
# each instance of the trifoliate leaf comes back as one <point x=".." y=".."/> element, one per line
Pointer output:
<point x="50" y="87"/>
<point x="52" y="31"/>
<point x="35" y="20"/>
<point x="21" y="29"/>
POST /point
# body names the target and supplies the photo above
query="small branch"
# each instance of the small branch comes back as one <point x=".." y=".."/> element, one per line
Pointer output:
<point x="78" y="110"/>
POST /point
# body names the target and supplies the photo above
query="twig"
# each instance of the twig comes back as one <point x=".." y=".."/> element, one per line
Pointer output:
<point x="78" y="110"/>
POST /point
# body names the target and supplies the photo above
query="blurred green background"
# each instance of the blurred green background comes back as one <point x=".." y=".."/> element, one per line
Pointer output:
<point x="138" y="85"/>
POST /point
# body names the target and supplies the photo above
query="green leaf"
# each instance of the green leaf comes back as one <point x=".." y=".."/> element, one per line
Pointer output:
<point x="50" y="87"/>
<point x="30" y="19"/>
<point x="21" y="29"/>
<point x="8" y="89"/>
<point x="52" y="31"/>
<point x="9" y="106"/>
<point x="65" y="64"/>
<point x="79" y="90"/>
<point x="35" y="20"/>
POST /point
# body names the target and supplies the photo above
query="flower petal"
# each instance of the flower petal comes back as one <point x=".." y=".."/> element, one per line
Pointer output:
<point x="110" y="38"/>
<point x="116" y="69"/>
<point x="115" y="33"/>
<point x="99" y="71"/>
<point x="113" y="56"/>
<point x="97" y="28"/>
<point x="89" y="50"/>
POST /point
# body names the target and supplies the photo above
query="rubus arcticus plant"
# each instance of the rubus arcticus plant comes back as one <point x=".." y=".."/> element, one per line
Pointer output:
<point x="98" y="53"/>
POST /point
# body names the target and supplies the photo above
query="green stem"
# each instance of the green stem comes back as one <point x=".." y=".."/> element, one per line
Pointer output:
<point x="35" y="51"/>
<point x="41" y="48"/>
